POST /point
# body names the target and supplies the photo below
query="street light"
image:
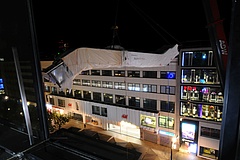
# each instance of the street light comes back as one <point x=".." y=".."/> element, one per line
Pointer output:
<point x="173" y="144"/>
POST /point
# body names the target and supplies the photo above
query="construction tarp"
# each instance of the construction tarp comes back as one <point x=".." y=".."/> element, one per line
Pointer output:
<point x="88" y="58"/>
<point x="139" y="59"/>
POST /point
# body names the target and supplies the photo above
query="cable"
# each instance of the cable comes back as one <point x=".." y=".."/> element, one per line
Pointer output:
<point x="115" y="27"/>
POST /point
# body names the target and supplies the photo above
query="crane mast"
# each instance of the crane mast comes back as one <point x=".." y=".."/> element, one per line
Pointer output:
<point x="228" y="62"/>
<point x="217" y="37"/>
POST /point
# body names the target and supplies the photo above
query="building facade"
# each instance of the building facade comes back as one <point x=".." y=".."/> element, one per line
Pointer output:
<point x="135" y="101"/>
<point x="183" y="100"/>
<point x="200" y="102"/>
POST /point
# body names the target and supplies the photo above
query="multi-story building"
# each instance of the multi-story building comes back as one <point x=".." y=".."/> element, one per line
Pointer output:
<point x="182" y="100"/>
<point x="201" y="102"/>
<point x="135" y="101"/>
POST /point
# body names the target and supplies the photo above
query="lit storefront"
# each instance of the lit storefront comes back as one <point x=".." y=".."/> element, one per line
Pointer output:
<point x="189" y="136"/>
<point x="54" y="108"/>
<point x="125" y="128"/>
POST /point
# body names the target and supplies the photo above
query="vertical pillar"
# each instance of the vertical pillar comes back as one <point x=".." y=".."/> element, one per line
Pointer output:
<point x="230" y="129"/>
<point x="23" y="95"/>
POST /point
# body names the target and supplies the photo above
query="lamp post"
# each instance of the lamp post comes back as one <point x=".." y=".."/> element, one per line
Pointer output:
<point x="173" y="145"/>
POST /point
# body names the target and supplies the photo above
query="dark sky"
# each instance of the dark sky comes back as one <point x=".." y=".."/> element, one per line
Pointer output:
<point x="142" y="25"/>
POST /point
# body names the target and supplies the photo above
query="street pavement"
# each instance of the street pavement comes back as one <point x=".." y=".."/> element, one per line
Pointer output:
<point x="149" y="150"/>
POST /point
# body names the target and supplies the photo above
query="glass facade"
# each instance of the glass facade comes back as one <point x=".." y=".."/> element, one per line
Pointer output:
<point x="23" y="114"/>
<point x="201" y="97"/>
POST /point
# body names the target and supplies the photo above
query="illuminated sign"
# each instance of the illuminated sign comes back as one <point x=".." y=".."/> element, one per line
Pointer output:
<point x="148" y="121"/>
<point x="171" y="75"/>
<point x="188" y="131"/>
<point x="166" y="133"/>
<point x="1" y="84"/>
<point x="124" y="116"/>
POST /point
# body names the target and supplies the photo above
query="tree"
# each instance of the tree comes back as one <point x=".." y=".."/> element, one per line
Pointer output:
<point x="56" y="120"/>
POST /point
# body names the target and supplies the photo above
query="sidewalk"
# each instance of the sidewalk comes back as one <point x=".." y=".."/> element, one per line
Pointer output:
<point x="149" y="150"/>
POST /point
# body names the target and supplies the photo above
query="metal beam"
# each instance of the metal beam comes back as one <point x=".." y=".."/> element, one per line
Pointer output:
<point x="230" y="137"/>
<point x="23" y="95"/>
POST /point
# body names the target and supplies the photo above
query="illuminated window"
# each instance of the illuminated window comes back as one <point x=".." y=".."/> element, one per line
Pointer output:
<point x="133" y="86"/>
<point x="120" y="85"/>
<point x="133" y="73"/>
<point x="107" y="84"/>
<point x="149" y="88"/>
<point x="119" y="73"/>
<point x="168" y="75"/>
<point x="167" y="90"/>
<point x="166" y="122"/>
<point x="96" y="83"/>
<point x="76" y="82"/>
<point x="85" y="82"/>
<point x="95" y="72"/>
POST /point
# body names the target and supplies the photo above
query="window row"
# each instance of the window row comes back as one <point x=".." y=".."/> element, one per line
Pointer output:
<point x="163" y="121"/>
<point x="151" y="104"/>
<point x="130" y="86"/>
<point x="197" y="59"/>
<point x="202" y="94"/>
<point x="208" y="112"/>
<point x="200" y="76"/>
<point x="123" y="73"/>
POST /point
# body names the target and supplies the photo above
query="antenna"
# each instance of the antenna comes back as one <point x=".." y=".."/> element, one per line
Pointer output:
<point x="115" y="28"/>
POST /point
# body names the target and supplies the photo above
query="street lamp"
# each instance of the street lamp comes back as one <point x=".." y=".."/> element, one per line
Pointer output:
<point x="173" y="144"/>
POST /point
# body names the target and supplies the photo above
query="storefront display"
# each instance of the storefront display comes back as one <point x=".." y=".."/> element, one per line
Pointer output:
<point x="209" y="112"/>
<point x="148" y="121"/>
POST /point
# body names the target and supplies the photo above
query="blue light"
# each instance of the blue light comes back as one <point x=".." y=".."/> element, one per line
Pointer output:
<point x="202" y="80"/>
<point x="166" y="133"/>
<point x="204" y="56"/>
<point x="171" y="75"/>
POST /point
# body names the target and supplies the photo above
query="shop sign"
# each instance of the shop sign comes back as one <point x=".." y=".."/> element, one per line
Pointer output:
<point x="124" y="116"/>
<point x="70" y="104"/>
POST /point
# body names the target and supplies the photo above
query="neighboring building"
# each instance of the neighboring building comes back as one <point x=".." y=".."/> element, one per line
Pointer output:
<point x="135" y="101"/>
<point x="9" y="80"/>
<point x="201" y="102"/>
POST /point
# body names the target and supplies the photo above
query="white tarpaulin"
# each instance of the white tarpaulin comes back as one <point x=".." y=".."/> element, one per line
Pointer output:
<point x="89" y="58"/>
<point x="139" y="59"/>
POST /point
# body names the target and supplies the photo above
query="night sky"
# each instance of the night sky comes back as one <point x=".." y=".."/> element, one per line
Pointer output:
<point x="142" y="25"/>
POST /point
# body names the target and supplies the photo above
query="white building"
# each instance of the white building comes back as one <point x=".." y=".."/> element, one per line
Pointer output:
<point x="131" y="99"/>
